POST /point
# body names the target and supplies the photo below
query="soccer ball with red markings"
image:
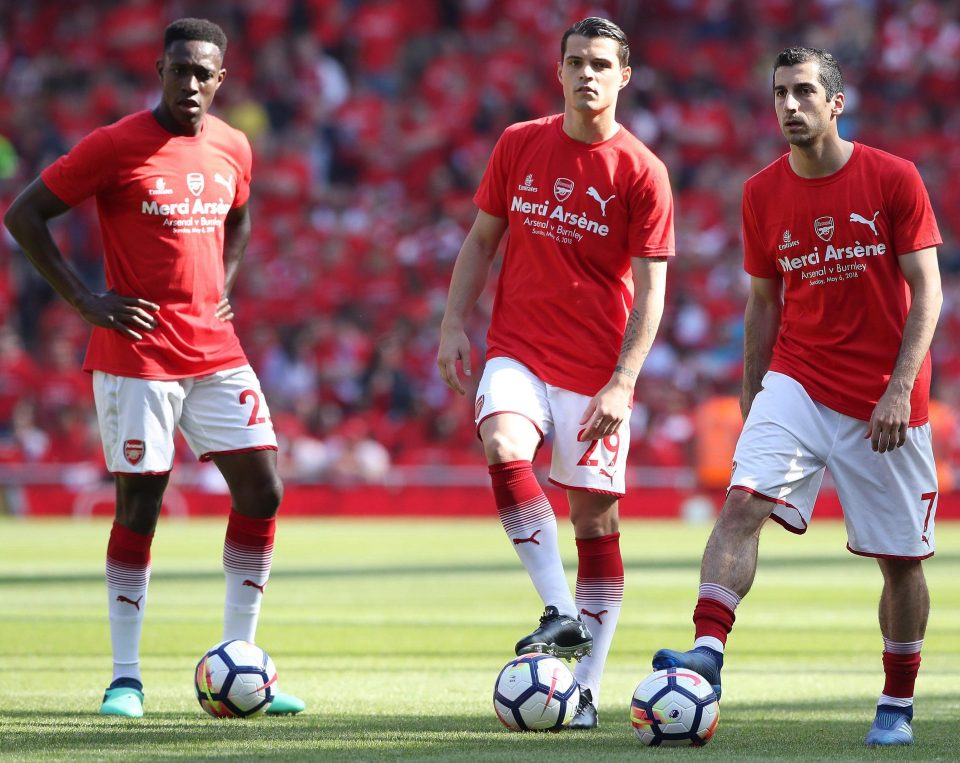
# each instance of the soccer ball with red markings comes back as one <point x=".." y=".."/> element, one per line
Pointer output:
<point x="235" y="679"/>
<point x="673" y="708"/>
<point x="535" y="692"/>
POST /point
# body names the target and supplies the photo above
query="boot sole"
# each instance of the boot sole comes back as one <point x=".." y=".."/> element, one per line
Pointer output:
<point x="568" y="653"/>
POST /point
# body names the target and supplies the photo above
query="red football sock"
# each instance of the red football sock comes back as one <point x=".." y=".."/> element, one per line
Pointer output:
<point x="713" y="618"/>
<point x="247" y="558"/>
<point x="128" y="575"/>
<point x="529" y="521"/>
<point x="901" y="673"/>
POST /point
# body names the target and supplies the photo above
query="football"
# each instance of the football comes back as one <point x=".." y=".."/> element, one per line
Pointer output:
<point x="235" y="679"/>
<point x="673" y="708"/>
<point x="535" y="692"/>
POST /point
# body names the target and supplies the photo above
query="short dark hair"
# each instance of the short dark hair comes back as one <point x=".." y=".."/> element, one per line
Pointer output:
<point x="829" y="75"/>
<point x="202" y="30"/>
<point x="594" y="26"/>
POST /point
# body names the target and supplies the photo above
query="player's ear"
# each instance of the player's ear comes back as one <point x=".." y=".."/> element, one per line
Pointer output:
<point x="625" y="73"/>
<point x="159" y="66"/>
<point x="837" y="108"/>
<point x="560" y="71"/>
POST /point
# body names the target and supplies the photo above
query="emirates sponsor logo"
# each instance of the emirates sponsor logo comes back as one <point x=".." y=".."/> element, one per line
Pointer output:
<point x="160" y="188"/>
<point x="133" y="451"/>
<point x="788" y="241"/>
<point x="527" y="184"/>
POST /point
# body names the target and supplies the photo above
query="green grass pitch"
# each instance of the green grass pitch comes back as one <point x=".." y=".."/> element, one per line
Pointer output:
<point x="393" y="632"/>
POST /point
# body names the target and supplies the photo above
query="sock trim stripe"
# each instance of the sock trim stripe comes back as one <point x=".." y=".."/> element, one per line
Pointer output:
<point x="719" y="593"/>
<point x="528" y="515"/>
<point x="244" y="560"/>
<point x="600" y="590"/>
<point x="902" y="647"/>
<point x="127" y="576"/>
<point x="609" y="600"/>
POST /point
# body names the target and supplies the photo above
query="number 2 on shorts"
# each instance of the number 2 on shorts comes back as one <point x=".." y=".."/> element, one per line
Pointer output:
<point x="254" y="418"/>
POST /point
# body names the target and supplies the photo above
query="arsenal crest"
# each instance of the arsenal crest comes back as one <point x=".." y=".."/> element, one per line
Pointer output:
<point x="195" y="182"/>
<point x="562" y="189"/>
<point x="824" y="227"/>
<point x="133" y="451"/>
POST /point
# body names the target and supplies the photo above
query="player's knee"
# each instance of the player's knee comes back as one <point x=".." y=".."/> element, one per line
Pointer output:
<point x="139" y="501"/>
<point x="500" y="446"/>
<point x="595" y="525"/>
<point x="593" y="515"/>
<point x="743" y="512"/>
<point x="262" y="500"/>
<point x="901" y="569"/>
<point x="272" y="496"/>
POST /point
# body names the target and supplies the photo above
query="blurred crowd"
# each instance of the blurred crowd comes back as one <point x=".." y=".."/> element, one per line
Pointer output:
<point x="371" y="123"/>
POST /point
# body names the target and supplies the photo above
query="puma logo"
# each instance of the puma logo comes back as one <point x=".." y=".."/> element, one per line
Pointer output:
<point x="598" y="616"/>
<point x="607" y="474"/>
<point x="225" y="182"/>
<point x="123" y="599"/>
<point x="856" y="218"/>
<point x="594" y="194"/>
<point x="254" y="585"/>
<point x="532" y="539"/>
<point x="924" y="539"/>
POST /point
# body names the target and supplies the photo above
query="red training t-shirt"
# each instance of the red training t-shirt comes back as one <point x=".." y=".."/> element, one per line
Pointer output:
<point x="577" y="213"/>
<point x="162" y="200"/>
<point x="835" y="242"/>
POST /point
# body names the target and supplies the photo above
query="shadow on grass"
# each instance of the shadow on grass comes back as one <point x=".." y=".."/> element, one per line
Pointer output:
<point x="434" y="570"/>
<point x="784" y="730"/>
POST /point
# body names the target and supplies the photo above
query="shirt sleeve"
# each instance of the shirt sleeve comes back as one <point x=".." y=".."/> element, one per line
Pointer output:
<point x="651" y="231"/>
<point x="491" y="194"/>
<point x="914" y="224"/>
<point x="756" y="261"/>
<point x="245" y="159"/>
<point x="85" y="171"/>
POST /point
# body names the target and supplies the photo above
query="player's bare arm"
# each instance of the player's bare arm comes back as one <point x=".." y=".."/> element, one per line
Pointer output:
<point x="609" y="407"/>
<point x="470" y="273"/>
<point x="27" y="221"/>
<point x="236" y="235"/>
<point x="891" y="416"/>
<point x="761" y="324"/>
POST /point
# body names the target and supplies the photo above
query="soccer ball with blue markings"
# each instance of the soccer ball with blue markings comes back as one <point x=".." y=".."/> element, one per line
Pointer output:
<point x="535" y="692"/>
<point x="235" y="679"/>
<point x="674" y="707"/>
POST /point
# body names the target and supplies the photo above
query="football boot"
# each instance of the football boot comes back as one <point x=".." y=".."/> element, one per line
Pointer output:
<point x="560" y="635"/>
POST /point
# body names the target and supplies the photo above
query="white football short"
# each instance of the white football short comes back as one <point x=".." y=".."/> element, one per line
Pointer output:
<point x="595" y="466"/>
<point x="889" y="499"/>
<point x="224" y="412"/>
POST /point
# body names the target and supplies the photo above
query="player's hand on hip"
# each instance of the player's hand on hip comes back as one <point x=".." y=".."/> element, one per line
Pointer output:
<point x="224" y="310"/>
<point x="126" y="315"/>
<point x="454" y="346"/>
<point x="889" y="422"/>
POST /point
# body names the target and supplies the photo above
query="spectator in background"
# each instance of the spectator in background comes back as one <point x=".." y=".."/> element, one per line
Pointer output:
<point x="474" y="67"/>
